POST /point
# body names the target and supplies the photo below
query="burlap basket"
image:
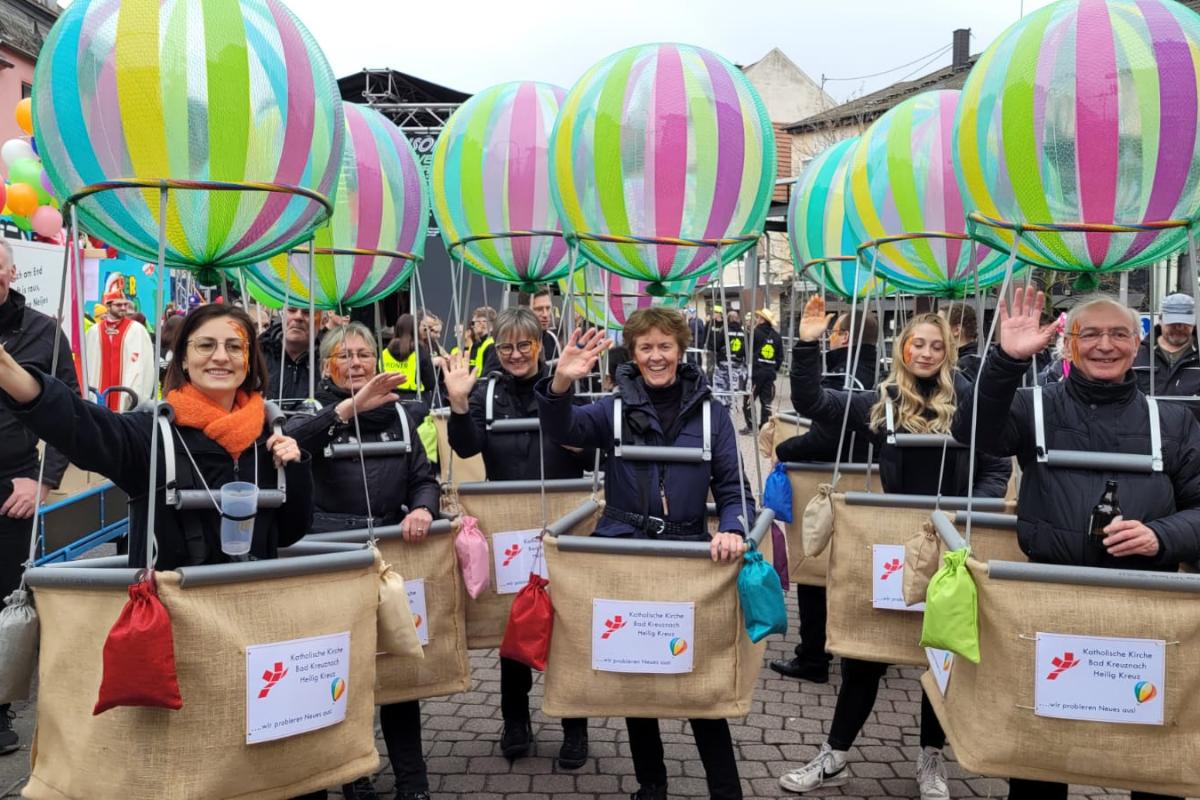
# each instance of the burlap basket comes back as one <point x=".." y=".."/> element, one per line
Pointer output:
<point x="987" y="712"/>
<point x="727" y="663"/>
<point x="854" y="627"/>
<point x="199" y="751"/>
<point x="779" y="428"/>
<point x="464" y="470"/>
<point x="497" y="513"/>
<point x="805" y="478"/>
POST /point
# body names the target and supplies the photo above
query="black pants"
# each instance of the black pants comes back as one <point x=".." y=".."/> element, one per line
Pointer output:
<point x="14" y="549"/>
<point x="401" y="724"/>
<point x="763" y="389"/>
<point x="860" y="685"/>
<point x="811" y="602"/>
<point x="1021" y="789"/>
<point x="516" y="679"/>
<point x="712" y="740"/>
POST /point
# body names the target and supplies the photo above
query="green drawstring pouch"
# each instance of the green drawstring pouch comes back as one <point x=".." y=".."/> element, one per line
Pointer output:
<point x="952" y="610"/>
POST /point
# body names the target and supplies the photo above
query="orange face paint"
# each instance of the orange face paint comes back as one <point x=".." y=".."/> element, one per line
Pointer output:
<point x="907" y="351"/>
<point x="1074" y="350"/>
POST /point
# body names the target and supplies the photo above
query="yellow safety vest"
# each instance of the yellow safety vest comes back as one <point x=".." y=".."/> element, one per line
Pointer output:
<point x="477" y="359"/>
<point x="407" y="367"/>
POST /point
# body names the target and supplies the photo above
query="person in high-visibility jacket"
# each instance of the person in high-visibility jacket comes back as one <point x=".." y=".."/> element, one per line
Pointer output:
<point x="403" y="356"/>
<point x="765" y="359"/>
<point x="482" y="349"/>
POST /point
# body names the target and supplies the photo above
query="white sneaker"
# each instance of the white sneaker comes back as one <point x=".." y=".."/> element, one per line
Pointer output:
<point x="931" y="775"/>
<point x="827" y="769"/>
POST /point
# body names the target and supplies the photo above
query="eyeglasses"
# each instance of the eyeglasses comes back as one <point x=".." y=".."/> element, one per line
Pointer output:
<point x="346" y="357"/>
<point x="1115" y="335"/>
<point x="207" y="347"/>
<point x="524" y="348"/>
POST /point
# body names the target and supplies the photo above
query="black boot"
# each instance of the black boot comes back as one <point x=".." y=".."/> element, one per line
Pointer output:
<point x="650" y="791"/>
<point x="517" y="739"/>
<point x="815" y="672"/>
<point x="9" y="742"/>
<point x="361" y="789"/>
<point x="412" y="795"/>
<point x="574" y="751"/>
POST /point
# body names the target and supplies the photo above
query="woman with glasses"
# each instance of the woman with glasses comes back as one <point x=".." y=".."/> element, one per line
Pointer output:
<point x="508" y="457"/>
<point x="386" y="488"/>
<point x="220" y="433"/>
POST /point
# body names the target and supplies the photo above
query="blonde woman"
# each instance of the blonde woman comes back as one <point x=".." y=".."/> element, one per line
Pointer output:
<point x="924" y="389"/>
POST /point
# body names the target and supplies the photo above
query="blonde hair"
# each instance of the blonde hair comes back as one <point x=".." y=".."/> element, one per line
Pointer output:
<point x="911" y="406"/>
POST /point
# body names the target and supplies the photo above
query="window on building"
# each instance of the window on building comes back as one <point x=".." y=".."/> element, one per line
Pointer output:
<point x="26" y="89"/>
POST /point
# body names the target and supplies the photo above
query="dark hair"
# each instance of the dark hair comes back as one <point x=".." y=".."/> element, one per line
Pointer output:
<point x="170" y="332"/>
<point x="404" y="338"/>
<point x="542" y="292"/>
<point x="616" y="357"/>
<point x="963" y="315"/>
<point x="868" y="324"/>
<point x="256" y="367"/>
<point x="667" y="320"/>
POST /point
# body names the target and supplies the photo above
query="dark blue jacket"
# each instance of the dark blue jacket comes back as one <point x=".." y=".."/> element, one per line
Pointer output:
<point x="631" y="486"/>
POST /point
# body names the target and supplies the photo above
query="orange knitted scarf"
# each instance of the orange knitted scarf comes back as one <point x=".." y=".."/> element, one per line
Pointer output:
<point x="234" y="430"/>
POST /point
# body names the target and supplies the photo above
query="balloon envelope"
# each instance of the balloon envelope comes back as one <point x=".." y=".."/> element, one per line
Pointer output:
<point x="233" y="91"/>
<point x="381" y="205"/>
<point x="663" y="141"/>
<point x="491" y="175"/>
<point x="625" y="295"/>
<point x="901" y="181"/>
<point x="1086" y="111"/>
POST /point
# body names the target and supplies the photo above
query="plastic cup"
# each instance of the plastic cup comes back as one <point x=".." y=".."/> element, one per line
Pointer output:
<point x="239" y="504"/>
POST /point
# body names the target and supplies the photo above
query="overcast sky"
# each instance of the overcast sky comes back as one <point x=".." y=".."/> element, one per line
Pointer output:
<point x="472" y="44"/>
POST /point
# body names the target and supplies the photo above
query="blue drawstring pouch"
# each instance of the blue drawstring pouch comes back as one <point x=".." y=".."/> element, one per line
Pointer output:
<point x="777" y="494"/>
<point x="763" y="606"/>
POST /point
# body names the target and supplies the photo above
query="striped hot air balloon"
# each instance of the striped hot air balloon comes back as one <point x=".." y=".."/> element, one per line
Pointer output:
<point x="491" y="175"/>
<point x="660" y="144"/>
<point x="1086" y="111"/>
<point x="607" y="299"/>
<point x="377" y="233"/>
<point x="211" y="90"/>
<point x="822" y="241"/>
<point x="901" y="182"/>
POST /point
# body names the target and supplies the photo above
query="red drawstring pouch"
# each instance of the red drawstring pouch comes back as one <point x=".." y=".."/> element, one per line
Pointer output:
<point x="527" y="635"/>
<point x="139" y="655"/>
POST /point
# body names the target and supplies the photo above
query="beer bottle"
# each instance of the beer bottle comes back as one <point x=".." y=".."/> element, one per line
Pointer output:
<point x="1103" y="514"/>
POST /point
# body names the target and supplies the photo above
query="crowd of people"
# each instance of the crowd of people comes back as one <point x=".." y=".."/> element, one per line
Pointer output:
<point x="220" y="370"/>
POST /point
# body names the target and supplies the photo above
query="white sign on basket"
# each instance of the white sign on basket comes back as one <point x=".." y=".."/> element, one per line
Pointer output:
<point x="1100" y="678"/>
<point x="296" y="686"/>
<point x="515" y="554"/>
<point x="643" y="636"/>
<point x="887" y="582"/>
<point x="940" y="664"/>
<point x="416" y="603"/>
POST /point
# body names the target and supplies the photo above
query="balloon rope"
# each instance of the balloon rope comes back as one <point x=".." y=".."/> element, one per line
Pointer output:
<point x="852" y="364"/>
<point x="429" y="341"/>
<point x="755" y="410"/>
<point x="741" y="476"/>
<point x="312" y="324"/>
<point x="155" y="443"/>
<point x="287" y="296"/>
<point x="1193" y="279"/>
<point x="77" y="256"/>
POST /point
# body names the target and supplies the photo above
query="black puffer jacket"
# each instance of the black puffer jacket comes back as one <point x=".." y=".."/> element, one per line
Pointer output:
<point x="1055" y="504"/>
<point x="118" y="447"/>
<point x="969" y="360"/>
<point x="512" y="456"/>
<point x="820" y="443"/>
<point x="1180" y="380"/>
<point x="280" y="366"/>
<point x="395" y="482"/>
<point x="903" y="470"/>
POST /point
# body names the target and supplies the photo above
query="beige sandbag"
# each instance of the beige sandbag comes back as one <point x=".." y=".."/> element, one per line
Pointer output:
<point x="727" y="663"/>
<point x="922" y="557"/>
<point x="464" y="470"/>
<point x="785" y="427"/>
<point x="987" y="711"/>
<point x="397" y="628"/>
<point x="199" y="751"/>
<point x="499" y="513"/>
<point x="445" y="668"/>
<point x="816" y="528"/>
<point x="766" y="440"/>
<point x="812" y="571"/>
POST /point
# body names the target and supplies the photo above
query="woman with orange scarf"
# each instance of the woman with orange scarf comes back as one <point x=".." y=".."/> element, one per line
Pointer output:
<point x="220" y="434"/>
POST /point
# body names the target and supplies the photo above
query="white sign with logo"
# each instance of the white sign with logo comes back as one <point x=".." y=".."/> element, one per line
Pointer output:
<point x="887" y="585"/>
<point x="296" y="686"/>
<point x="940" y="664"/>
<point x="416" y="602"/>
<point x="642" y="636"/>
<point x="516" y="554"/>
<point x="1100" y="678"/>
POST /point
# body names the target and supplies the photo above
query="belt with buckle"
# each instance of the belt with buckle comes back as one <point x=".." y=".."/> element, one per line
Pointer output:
<point x="652" y="526"/>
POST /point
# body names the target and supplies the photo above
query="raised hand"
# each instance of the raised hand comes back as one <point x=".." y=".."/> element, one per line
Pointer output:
<point x="378" y="391"/>
<point x="460" y="380"/>
<point x="578" y="358"/>
<point x="815" y="320"/>
<point x="1022" y="335"/>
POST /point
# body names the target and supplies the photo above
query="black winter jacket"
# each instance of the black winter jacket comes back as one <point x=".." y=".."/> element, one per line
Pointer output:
<point x="118" y="447"/>
<point x="512" y="456"/>
<point x="280" y="367"/>
<point x="395" y="482"/>
<point x="1181" y="380"/>
<point x="820" y="443"/>
<point x="1055" y="505"/>
<point x="969" y="361"/>
<point x="827" y="406"/>
<point x="766" y="353"/>
<point x="29" y="336"/>
<point x="715" y="343"/>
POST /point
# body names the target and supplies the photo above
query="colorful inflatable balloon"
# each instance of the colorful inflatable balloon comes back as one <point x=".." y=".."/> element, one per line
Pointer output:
<point x="234" y="91"/>
<point x="491" y="176"/>
<point x="1086" y="111"/>
<point x="818" y="231"/>
<point x="381" y="210"/>
<point x="660" y="143"/>
<point x="625" y="295"/>
<point x="901" y="181"/>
